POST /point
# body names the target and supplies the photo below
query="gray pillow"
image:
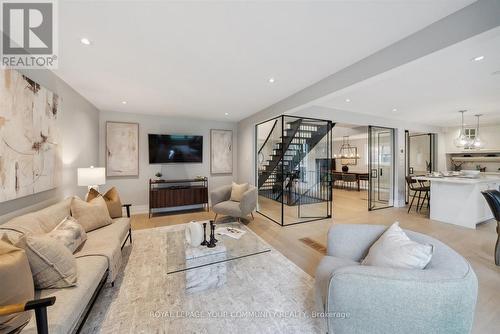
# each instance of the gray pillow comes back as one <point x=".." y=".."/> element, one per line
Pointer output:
<point x="52" y="264"/>
<point x="70" y="233"/>
<point x="395" y="250"/>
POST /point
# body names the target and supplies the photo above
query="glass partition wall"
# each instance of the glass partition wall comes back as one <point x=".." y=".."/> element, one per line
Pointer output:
<point x="293" y="169"/>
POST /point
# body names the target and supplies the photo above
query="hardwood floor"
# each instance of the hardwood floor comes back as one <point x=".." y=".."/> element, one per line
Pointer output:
<point x="350" y="207"/>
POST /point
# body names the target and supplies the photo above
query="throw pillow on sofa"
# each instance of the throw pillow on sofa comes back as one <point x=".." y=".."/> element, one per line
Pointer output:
<point x="394" y="249"/>
<point x="92" y="215"/>
<point x="237" y="191"/>
<point x="52" y="264"/>
<point x="70" y="233"/>
<point x="112" y="199"/>
<point x="16" y="286"/>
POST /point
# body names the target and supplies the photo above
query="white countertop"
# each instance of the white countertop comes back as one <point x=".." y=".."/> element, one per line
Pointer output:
<point x="460" y="180"/>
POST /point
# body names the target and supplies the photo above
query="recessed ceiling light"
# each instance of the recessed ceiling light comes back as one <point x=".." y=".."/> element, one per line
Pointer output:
<point x="226" y="113"/>
<point x="394" y="109"/>
<point x="271" y="80"/>
<point x="348" y="100"/>
<point x="85" y="41"/>
<point x="478" y="58"/>
<point x="124" y="102"/>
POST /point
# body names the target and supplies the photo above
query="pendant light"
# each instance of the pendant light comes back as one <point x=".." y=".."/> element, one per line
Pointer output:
<point x="478" y="142"/>
<point x="347" y="153"/>
<point x="462" y="140"/>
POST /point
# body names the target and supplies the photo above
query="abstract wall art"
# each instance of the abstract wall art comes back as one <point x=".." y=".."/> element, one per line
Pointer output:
<point x="122" y="149"/>
<point x="30" y="159"/>
<point x="221" y="151"/>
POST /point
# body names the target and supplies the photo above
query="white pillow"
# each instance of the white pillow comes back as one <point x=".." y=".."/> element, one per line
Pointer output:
<point x="70" y="233"/>
<point x="237" y="191"/>
<point x="395" y="250"/>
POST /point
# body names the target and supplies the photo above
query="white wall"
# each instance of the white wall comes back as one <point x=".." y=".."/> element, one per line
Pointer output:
<point x="78" y="122"/>
<point x="134" y="190"/>
<point x="491" y="136"/>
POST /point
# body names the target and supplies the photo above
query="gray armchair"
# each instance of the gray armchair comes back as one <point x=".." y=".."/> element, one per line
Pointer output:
<point x="221" y="203"/>
<point x="368" y="299"/>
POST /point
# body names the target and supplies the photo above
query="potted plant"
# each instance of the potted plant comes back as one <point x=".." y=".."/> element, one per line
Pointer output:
<point x="158" y="175"/>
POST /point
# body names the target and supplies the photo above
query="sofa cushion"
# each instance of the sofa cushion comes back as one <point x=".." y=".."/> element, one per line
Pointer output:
<point x="91" y="215"/>
<point x="37" y="222"/>
<point x="107" y="242"/>
<point x="229" y="208"/>
<point x="70" y="303"/>
<point x="237" y="191"/>
<point x="16" y="285"/>
<point x="52" y="264"/>
<point x="394" y="249"/>
<point x="112" y="199"/>
<point x="70" y="233"/>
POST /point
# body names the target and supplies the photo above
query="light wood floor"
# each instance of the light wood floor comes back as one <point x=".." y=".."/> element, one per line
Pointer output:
<point x="350" y="207"/>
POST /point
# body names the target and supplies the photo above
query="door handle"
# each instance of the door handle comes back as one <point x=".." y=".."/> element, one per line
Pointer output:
<point x="374" y="173"/>
<point x="380" y="171"/>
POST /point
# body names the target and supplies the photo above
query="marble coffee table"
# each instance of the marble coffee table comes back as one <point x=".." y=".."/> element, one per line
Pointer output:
<point x="205" y="268"/>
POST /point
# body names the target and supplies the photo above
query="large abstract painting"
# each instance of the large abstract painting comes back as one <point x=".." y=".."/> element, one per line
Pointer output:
<point x="30" y="159"/>
<point x="122" y="149"/>
<point x="221" y="151"/>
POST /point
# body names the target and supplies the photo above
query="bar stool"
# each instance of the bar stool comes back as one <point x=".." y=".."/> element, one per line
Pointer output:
<point x="417" y="187"/>
<point x="493" y="199"/>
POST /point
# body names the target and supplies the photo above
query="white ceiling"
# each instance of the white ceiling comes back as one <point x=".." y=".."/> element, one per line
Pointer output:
<point x="432" y="89"/>
<point x="205" y="59"/>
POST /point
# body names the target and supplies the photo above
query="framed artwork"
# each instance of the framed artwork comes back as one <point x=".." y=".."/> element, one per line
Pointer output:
<point x="221" y="151"/>
<point x="122" y="149"/>
<point x="30" y="152"/>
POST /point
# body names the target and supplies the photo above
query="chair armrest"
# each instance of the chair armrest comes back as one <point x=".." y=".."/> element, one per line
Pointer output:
<point x="40" y="307"/>
<point x="352" y="241"/>
<point x="248" y="201"/>
<point x="30" y="305"/>
<point x="221" y="194"/>
<point x="127" y="206"/>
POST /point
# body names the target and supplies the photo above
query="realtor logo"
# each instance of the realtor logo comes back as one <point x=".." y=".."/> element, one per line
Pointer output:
<point x="29" y="38"/>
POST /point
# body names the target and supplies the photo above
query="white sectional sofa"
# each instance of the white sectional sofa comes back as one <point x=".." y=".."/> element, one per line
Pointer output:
<point x="98" y="262"/>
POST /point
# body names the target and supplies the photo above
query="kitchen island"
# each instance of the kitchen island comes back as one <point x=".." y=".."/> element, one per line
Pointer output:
<point x="458" y="200"/>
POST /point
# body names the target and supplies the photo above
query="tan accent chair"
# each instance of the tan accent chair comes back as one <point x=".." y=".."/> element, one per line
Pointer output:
<point x="222" y="204"/>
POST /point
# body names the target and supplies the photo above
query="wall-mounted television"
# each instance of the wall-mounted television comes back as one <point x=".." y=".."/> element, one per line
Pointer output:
<point x="175" y="148"/>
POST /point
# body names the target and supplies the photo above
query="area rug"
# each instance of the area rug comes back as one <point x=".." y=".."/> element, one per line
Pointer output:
<point x="264" y="293"/>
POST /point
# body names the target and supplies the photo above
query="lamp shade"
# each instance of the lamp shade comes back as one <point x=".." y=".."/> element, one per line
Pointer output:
<point x="92" y="176"/>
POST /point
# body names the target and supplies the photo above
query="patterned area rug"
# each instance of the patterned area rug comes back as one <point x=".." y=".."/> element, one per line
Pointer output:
<point x="264" y="293"/>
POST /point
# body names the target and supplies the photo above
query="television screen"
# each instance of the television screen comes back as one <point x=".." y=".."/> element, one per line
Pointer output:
<point x="175" y="148"/>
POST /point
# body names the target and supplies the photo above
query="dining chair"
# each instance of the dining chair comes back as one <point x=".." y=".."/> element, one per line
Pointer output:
<point x="349" y="179"/>
<point x="493" y="198"/>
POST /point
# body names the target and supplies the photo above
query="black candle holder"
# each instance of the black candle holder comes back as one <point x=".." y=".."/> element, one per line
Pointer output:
<point x="212" y="241"/>
<point x="204" y="242"/>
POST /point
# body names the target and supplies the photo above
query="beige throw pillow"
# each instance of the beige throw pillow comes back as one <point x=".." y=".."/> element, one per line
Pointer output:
<point x="70" y="233"/>
<point x="237" y="191"/>
<point x="395" y="250"/>
<point x="52" y="264"/>
<point x="16" y="285"/>
<point x="91" y="215"/>
<point x="112" y="199"/>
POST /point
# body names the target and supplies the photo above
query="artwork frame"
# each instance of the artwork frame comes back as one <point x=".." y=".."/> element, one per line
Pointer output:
<point x="221" y="151"/>
<point x="122" y="149"/>
<point x="30" y="150"/>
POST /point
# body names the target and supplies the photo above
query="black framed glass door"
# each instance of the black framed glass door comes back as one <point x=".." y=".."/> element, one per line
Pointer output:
<point x="381" y="167"/>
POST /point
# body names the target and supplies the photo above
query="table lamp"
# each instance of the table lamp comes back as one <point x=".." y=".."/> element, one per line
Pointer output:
<point x="91" y="177"/>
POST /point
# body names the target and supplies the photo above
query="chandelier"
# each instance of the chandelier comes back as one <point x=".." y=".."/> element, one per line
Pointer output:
<point x="463" y="141"/>
<point x="477" y="143"/>
<point x="348" y="154"/>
